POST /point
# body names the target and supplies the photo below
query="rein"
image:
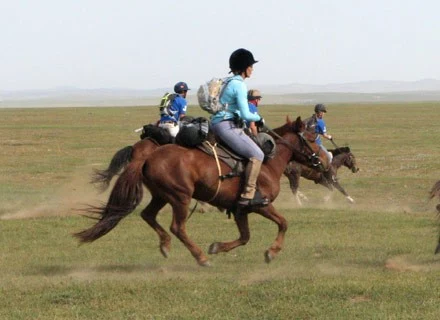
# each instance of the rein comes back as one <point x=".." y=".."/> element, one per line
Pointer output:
<point x="334" y="143"/>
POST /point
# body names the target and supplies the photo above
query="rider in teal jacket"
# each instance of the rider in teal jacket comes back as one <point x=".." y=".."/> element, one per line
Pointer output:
<point x="229" y="126"/>
<point x="235" y="97"/>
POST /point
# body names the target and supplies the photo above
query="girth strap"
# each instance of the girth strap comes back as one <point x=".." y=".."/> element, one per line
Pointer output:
<point x="213" y="147"/>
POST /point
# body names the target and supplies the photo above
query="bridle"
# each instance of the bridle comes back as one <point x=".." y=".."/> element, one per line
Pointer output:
<point x="313" y="158"/>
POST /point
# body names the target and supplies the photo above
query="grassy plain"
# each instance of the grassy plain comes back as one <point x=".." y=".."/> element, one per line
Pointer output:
<point x="370" y="260"/>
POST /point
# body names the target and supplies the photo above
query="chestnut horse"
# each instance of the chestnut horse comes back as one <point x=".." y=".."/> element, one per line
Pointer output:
<point x="341" y="157"/>
<point x="174" y="175"/>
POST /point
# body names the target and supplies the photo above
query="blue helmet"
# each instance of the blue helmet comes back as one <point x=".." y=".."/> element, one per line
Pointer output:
<point x="240" y="59"/>
<point x="180" y="87"/>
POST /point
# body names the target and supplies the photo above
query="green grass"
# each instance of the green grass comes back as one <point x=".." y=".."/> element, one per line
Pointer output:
<point x="370" y="260"/>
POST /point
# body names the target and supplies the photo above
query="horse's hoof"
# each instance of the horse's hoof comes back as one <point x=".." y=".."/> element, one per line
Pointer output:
<point x="268" y="257"/>
<point x="437" y="250"/>
<point x="350" y="199"/>
<point x="213" y="248"/>
<point x="205" y="263"/>
<point x="164" y="250"/>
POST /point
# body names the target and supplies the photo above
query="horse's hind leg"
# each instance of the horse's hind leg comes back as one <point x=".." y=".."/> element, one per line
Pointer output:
<point x="180" y="213"/>
<point x="242" y="223"/>
<point x="270" y="213"/>
<point x="149" y="214"/>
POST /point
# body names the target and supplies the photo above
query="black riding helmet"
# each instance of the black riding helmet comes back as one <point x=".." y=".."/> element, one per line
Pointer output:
<point x="240" y="59"/>
<point x="320" y="108"/>
<point x="180" y="87"/>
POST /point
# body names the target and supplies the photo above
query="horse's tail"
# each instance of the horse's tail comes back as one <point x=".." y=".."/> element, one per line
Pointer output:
<point x="125" y="196"/>
<point x="121" y="158"/>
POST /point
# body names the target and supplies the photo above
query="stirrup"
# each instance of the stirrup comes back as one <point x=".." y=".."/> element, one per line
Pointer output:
<point x="257" y="201"/>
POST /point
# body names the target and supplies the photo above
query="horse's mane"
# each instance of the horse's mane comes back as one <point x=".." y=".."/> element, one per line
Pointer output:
<point x="297" y="126"/>
<point x="339" y="150"/>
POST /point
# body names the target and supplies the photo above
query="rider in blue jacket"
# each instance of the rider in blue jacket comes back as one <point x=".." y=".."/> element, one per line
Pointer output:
<point x="177" y="110"/>
<point x="317" y="123"/>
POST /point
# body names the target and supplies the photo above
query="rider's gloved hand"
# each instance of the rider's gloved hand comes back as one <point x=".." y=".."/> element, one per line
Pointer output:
<point x="260" y="123"/>
<point x="330" y="137"/>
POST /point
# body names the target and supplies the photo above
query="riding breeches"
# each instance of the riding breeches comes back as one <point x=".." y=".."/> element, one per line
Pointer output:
<point x="237" y="140"/>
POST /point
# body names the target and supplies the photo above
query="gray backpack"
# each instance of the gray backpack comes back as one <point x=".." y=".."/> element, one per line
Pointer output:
<point x="209" y="95"/>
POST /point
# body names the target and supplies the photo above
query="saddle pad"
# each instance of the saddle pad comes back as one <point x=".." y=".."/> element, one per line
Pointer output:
<point x="234" y="161"/>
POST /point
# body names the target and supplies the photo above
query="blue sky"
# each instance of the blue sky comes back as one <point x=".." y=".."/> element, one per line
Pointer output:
<point x="153" y="44"/>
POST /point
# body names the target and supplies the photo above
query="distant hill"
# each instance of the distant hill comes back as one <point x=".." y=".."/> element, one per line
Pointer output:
<point x="366" y="91"/>
<point x="357" y="87"/>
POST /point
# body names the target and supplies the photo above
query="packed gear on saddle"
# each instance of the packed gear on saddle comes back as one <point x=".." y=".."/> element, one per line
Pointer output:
<point x="209" y="95"/>
<point x="266" y="143"/>
<point x="193" y="133"/>
<point x="160" y="135"/>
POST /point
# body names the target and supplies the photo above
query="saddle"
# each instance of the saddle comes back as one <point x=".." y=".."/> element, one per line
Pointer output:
<point x="215" y="147"/>
<point x="195" y="133"/>
<point x="236" y="162"/>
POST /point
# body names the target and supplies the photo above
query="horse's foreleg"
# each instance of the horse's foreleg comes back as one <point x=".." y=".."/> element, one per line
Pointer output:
<point x="180" y="213"/>
<point x="270" y="213"/>
<point x="293" y="177"/>
<point x="298" y="199"/>
<point x="242" y="223"/>
<point x="149" y="214"/>
<point x="342" y="190"/>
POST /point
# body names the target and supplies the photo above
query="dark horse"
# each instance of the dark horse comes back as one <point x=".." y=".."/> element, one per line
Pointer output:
<point x="435" y="192"/>
<point x="341" y="157"/>
<point x="174" y="175"/>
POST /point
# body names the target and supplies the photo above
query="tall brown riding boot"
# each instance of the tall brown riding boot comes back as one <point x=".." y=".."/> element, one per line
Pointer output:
<point x="250" y="196"/>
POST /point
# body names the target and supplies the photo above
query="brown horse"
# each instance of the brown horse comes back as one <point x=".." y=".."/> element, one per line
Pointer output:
<point x="341" y="157"/>
<point x="174" y="175"/>
<point x="151" y="138"/>
<point x="134" y="156"/>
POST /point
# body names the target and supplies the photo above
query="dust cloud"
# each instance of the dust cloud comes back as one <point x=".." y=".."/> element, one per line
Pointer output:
<point x="69" y="199"/>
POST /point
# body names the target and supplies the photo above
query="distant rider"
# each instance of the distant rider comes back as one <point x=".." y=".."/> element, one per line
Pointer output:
<point x="316" y="124"/>
<point x="254" y="98"/>
<point x="176" y="111"/>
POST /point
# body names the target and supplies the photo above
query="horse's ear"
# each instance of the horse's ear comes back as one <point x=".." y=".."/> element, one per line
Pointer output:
<point x="299" y="124"/>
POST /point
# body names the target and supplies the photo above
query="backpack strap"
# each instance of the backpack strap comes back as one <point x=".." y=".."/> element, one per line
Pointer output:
<point x="223" y="90"/>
